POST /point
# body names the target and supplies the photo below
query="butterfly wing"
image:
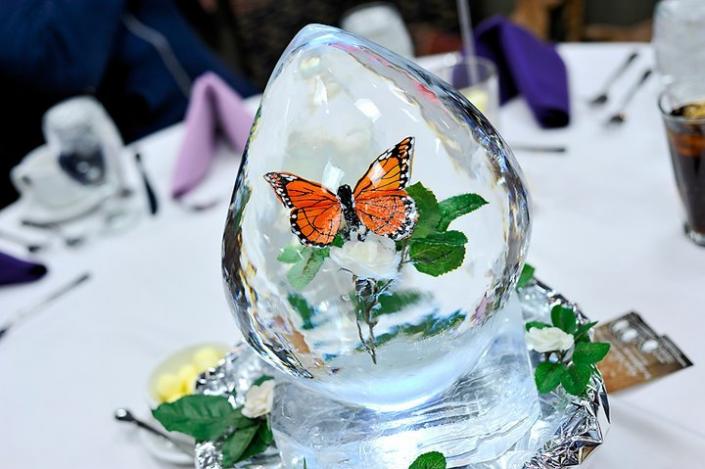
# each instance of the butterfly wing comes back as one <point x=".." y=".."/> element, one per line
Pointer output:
<point x="381" y="201"/>
<point x="315" y="211"/>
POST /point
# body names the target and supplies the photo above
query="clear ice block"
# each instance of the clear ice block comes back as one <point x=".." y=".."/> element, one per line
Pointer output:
<point x="334" y="105"/>
<point x="478" y="419"/>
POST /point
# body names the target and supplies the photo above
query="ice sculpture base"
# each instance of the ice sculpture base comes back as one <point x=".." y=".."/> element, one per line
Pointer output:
<point x="478" y="419"/>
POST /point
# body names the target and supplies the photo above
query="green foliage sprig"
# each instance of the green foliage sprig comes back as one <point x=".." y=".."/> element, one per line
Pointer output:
<point x="573" y="368"/>
<point x="433" y="249"/>
<point x="213" y="418"/>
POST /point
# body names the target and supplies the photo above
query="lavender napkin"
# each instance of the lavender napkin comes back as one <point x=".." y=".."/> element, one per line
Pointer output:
<point x="214" y="110"/>
<point x="13" y="270"/>
<point x="526" y="66"/>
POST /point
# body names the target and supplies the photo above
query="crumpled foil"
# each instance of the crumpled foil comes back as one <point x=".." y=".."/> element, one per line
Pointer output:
<point x="568" y="430"/>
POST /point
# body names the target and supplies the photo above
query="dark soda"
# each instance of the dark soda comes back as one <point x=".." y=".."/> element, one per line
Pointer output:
<point x="686" y="138"/>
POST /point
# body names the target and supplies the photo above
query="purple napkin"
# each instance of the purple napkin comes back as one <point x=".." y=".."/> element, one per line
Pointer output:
<point x="526" y="66"/>
<point x="13" y="270"/>
<point x="214" y="110"/>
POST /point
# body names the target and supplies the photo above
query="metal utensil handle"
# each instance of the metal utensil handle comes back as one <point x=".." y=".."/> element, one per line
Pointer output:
<point x="151" y="195"/>
<point x="161" y="434"/>
<point x="620" y="70"/>
<point x="51" y="297"/>
<point x="632" y="91"/>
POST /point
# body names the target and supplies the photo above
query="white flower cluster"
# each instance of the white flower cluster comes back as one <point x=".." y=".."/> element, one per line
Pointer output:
<point x="548" y="339"/>
<point x="259" y="400"/>
<point x="376" y="257"/>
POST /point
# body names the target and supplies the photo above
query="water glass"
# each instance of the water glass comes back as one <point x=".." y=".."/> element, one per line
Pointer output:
<point x="476" y="78"/>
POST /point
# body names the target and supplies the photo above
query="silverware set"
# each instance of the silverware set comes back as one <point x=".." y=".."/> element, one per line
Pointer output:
<point x="603" y="97"/>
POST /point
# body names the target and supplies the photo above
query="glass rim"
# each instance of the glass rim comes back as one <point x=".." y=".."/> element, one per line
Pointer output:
<point x="482" y="61"/>
<point x="681" y="119"/>
<point x="453" y="59"/>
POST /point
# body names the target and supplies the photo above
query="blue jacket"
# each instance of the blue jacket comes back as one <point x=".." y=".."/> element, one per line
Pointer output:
<point x="137" y="57"/>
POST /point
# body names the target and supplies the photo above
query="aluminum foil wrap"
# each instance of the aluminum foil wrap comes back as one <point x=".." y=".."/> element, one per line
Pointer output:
<point x="568" y="430"/>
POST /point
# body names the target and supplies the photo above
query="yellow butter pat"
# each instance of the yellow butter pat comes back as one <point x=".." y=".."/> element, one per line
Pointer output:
<point x="168" y="387"/>
<point x="187" y="374"/>
<point x="206" y="358"/>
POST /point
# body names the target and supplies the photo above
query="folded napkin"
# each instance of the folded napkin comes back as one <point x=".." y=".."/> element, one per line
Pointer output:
<point x="214" y="110"/>
<point x="13" y="270"/>
<point x="526" y="66"/>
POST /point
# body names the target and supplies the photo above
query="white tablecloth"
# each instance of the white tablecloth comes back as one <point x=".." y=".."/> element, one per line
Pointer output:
<point x="607" y="233"/>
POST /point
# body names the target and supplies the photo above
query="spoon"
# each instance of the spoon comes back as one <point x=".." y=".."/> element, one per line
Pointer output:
<point x="603" y="97"/>
<point x="620" y="116"/>
<point x="124" y="415"/>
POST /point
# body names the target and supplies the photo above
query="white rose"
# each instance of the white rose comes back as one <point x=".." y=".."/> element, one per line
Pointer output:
<point x="376" y="257"/>
<point x="259" y="399"/>
<point x="548" y="339"/>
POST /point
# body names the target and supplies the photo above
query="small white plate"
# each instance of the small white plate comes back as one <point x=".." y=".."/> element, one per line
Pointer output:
<point x="162" y="449"/>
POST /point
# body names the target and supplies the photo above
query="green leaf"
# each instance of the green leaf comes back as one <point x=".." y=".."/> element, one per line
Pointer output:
<point x="306" y="269"/>
<point x="581" y="333"/>
<point x="536" y="325"/>
<point x="240" y="421"/>
<point x="430" y="326"/>
<point x="576" y="378"/>
<point x="527" y="273"/>
<point x="338" y="241"/>
<point x="588" y="353"/>
<point x="431" y="460"/>
<point x="427" y="207"/>
<point x="457" y="206"/>
<point x="438" y="253"/>
<point x="262" y="379"/>
<point x="390" y="303"/>
<point x="234" y="446"/>
<point x="548" y="376"/>
<point x="564" y="318"/>
<point x="263" y="439"/>
<point x="305" y="310"/>
<point x="202" y="417"/>
<point x="290" y="254"/>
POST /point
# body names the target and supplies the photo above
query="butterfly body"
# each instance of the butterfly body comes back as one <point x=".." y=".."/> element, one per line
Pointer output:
<point x="378" y="203"/>
<point x="352" y="222"/>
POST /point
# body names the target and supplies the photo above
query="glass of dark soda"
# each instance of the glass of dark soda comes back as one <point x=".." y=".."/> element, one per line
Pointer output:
<point x="683" y="111"/>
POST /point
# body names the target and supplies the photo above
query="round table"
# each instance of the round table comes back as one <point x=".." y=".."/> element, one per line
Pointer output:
<point x="607" y="233"/>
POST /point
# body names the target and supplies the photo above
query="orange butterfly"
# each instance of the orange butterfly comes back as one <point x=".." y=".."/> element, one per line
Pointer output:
<point x="378" y="203"/>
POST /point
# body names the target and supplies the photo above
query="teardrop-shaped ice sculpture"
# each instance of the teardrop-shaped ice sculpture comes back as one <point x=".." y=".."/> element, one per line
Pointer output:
<point x="377" y="225"/>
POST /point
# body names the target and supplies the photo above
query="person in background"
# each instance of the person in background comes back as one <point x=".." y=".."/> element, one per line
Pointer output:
<point x="138" y="57"/>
